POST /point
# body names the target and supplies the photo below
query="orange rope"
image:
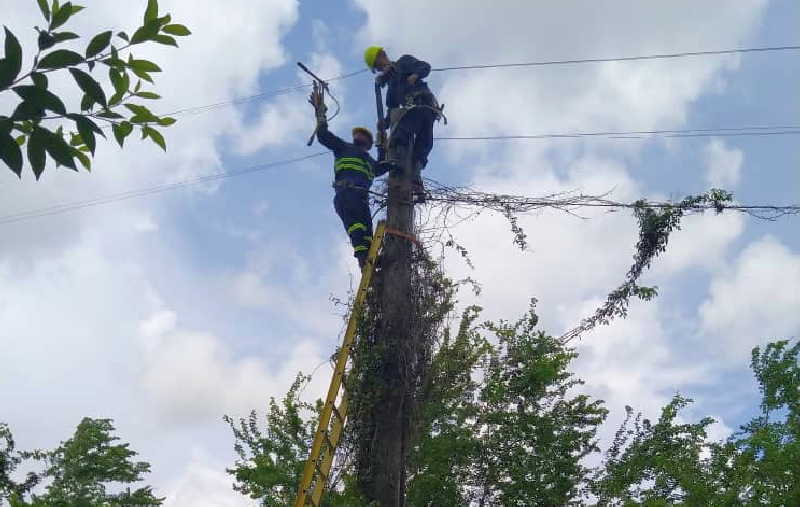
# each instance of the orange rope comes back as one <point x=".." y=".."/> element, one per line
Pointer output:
<point x="401" y="234"/>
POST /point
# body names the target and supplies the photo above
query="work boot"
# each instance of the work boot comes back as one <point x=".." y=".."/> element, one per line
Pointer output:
<point x="418" y="191"/>
<point x="417" y="187"/>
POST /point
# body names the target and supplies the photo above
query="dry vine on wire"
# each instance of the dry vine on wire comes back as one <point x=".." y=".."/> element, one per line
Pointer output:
<point x="450" y="206"/>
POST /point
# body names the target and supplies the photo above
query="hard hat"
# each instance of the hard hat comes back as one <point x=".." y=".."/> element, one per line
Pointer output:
<point x="370" y="54"/>
<point x="365" y="131"/>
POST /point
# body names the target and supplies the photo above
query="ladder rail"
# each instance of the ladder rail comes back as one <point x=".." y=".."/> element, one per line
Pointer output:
<point x="323" y="428"/>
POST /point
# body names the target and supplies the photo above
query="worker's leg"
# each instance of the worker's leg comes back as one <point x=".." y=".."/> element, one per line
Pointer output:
<point x="424" y="118"/>
<point x="352" y="206"/>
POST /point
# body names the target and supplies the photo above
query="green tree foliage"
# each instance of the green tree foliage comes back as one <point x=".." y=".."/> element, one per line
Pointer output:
<point x="90" y="469"/>
<point x="517" y="437"/>
<point x="671" y="463"/>
<point x="10" y="459"/>
<point x="270" y="463"/>
<point x="44" y="126"/>
<point x="501" y="424"/>
<point x="534" y="432"/>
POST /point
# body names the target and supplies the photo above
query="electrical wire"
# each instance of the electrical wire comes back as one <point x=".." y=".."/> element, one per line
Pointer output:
<point x="66" y="207"/>
<point x="279" y="91"/>
<point x="640" y="134"/>
<point x="76" y="205"/>
<point x="621" y="58"/>
<point x="251" y="98"/>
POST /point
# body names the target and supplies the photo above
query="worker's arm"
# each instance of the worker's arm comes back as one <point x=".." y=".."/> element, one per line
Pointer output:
<point x="408" y="65"/>
<point x="378" y="169"/>
<point x="328" y="139"/>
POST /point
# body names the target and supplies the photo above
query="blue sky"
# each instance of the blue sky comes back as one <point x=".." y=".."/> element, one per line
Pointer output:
<point x="167" y="311"/>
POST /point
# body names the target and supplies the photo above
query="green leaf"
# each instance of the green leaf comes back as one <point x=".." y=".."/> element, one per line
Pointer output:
<point x="122" y="130"/>
<point x="87" y="129"/>
<point x="144" y="65"/>
<point x="179" y="30"/>
<point x="142" y="74"/>
<point x="99" y="43"/>
<point x="41" y="98"/>
<point x="145" y="32"/>
<point x="165" y="40"/>
<point x="59" y="59"/>
<point x="148" y="95"/>
<point x="12" y="63"/>
<point x="166" y="121"/>
<point x="151" y="12"/>
<point x="109" y="114"/>
<point x="121" y="82"/>
<point x="77" y="8"/>
<point x="39" y="79"/>
<point x="155" y="135"/>
<point x="13" y="55"/>
<point x="89" y="86"/>
<point x="45" y="40"/>
<point x="45" y="8"/>
<point x="85" y="161"/>
<point x="123" y="36"/>
<point x="21" y="139"/>
<point x="139" y="110"/>
<point x="27" y="110"/>
<point x="61" y="15"/>
<point x="37" y="156"/>
<point x="86" y="102"/>
<point x="10" y="153"/>
<point x="58" y="148"/>
<point x="65" y="36"/>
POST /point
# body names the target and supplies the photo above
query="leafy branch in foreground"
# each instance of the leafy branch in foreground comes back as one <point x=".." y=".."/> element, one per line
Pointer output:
<point x="39" y="120"/>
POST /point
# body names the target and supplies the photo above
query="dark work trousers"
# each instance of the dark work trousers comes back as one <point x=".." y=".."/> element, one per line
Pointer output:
<point x="352" y="206"/>
<point x="417" y="126"/>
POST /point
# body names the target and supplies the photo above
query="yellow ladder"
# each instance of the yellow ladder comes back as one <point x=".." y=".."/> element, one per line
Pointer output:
<point x="326" y="439"/>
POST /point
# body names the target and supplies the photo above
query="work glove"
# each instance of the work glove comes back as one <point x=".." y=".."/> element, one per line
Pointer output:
<point x="317" y="100"/>
<point x="384" y="76"/>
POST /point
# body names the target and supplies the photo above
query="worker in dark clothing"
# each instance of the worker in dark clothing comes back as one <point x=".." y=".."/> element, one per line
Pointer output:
<point x="354" y="169"/>
<point x="412" y="106"/>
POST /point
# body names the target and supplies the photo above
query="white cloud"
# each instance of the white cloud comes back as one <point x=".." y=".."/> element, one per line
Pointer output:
<point x="755" y="301"/>
<point x="724" y="165"/>
<point x="204" y="483"/>
<point x="194" y="376"/>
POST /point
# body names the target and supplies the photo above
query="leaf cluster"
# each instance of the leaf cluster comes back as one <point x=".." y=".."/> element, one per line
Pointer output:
<point x="41" y="125"/>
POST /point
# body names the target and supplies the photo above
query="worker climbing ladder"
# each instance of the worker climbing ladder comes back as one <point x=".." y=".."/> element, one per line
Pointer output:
<point x="333" y="417"/>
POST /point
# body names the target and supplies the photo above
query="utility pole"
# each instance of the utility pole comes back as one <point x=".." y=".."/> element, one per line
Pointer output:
<point x="382" y="475"/>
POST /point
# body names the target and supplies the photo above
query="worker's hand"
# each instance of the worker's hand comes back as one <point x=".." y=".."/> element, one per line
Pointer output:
<point x="412" y="79"/>
<point x="383" y="77"/>
<point x="317" y="98"/>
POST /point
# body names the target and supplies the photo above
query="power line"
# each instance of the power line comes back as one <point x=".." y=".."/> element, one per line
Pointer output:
<point x="251" y="98"/>
<point x="621" y="58"/>
<point x="638" y="134"/>
<point x="141" y="192"/>
<point x="279" y="91"/>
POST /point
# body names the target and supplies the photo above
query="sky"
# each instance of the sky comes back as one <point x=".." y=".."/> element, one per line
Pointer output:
<point x="167" y="311"/>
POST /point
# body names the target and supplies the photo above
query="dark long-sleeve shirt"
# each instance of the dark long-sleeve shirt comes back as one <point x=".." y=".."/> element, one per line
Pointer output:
<point x="352" y="165"/>
<point x="398" y="80"/>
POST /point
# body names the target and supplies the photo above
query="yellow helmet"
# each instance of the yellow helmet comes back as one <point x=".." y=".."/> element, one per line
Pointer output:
<point x="370" y="54"/>
<point x="365" y="131"/>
